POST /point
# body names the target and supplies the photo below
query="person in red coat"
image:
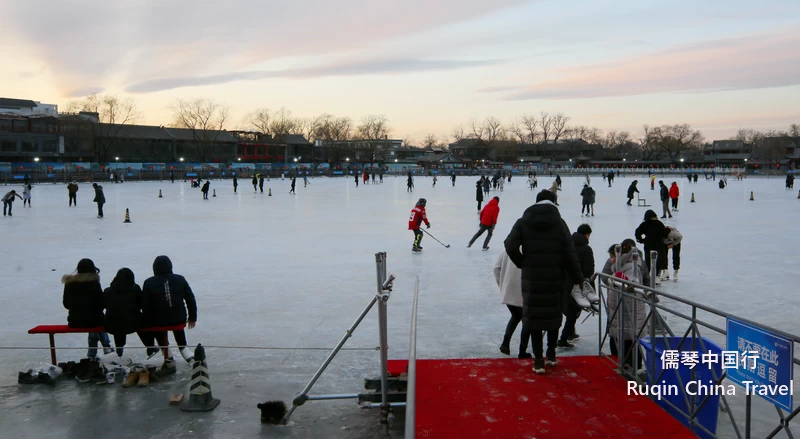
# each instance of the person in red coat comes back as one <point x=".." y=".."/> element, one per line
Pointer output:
<point x="674" y="193"/>
<point x="488" y="220"/>
<point x="416" y="219"/>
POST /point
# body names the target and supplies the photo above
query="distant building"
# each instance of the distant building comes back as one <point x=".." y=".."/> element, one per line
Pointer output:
<point x="26" y="107"/>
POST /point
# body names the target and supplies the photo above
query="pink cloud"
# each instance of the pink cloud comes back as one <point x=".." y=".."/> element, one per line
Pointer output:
<point x="767" y="60"/>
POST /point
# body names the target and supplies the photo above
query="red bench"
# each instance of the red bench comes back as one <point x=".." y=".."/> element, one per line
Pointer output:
<point x="51" y="330"/>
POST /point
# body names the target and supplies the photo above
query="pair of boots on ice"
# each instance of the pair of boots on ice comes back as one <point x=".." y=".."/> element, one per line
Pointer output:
<point x="664" y="275"/>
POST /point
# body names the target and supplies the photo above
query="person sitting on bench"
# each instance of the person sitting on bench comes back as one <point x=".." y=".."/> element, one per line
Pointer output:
<point x="83" y="297"/>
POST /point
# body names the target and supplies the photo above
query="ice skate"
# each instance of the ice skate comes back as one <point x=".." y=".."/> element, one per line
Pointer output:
<point x="675" y="276"/>
<point x="485" y="248"/>
<point x="416" y="249"/>
<point x="580" y="299"/>
<point x="187" y="355"/>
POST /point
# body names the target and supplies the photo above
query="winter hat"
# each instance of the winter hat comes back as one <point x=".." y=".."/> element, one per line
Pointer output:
<point x="545" y="195"/>
<point x="86" y="265"/>
<point x="650" y="214"/>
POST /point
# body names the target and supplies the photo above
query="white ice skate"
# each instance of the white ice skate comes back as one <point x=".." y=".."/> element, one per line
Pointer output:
<point x="675" y="277"/>
<point x="579" y="297"/>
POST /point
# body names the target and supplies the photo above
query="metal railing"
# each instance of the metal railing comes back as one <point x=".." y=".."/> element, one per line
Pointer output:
<point x="697" y="317"/>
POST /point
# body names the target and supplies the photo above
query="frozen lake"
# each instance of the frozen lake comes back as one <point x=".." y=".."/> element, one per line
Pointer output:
<point x="294" y="271"/>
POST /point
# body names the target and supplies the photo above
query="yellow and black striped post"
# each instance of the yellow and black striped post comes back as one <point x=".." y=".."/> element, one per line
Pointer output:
<point x="215" y="193"/>
<point x="127" y="216"/>
<point x="200" y="399"/>
<point x="159" y="194"/>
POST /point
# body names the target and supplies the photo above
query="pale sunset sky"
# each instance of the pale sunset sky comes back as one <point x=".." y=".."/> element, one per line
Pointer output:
<point x="426" y="65"/>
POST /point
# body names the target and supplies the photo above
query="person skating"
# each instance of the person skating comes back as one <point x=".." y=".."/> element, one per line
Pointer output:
<point x="305" y="180"/>
<point x="664" y="192"/>
<point x="166" y="298"/>
<point x="587" y="193"/>
<point x="418" y="216"/>
<point x="486" y="185"/>
<point x="372" y="176"/>
<point x="673" y="242"/>
<point x="488" y="220"/>
<point x="380" y="176"/>
<point x="479" y="192"/>
<point x="695" y="178"/>
<point x="294" y="182"/>
<point x="254" y="181"/>
<point x="366" y="177"/>
<point x="453" y="179"/>
<point x="434" y="181"/>
<point x="8" y="202"/>
<point x="632" y="189"/>
<point x="509" y="177"/>
<point x="789" y="181"/>
<point x="532" y="182"/>
<point x="674" y="193"/>
<point x="652" y="182"/>
<point x="26" y="195"/>
<point x="410" y="183"/>
<point x="261" y="183"/>
<point x="554" y="188"/>
<point x="610" y="177"/>
<point x="204" y="189"/>
<point x="171" y="177"/>
<point x="356" y="179"/>
<point x="99" y="198"/>
<point x="72" y="192"/>
<point x="546" y="258"/>
<point x="572" y="311"/>
<point x="235" y="184"/>
<point x="508" y="278"/>
<point x="651" y="232"/>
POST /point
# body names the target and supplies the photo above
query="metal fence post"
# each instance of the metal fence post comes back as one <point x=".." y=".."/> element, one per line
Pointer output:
<point x="382" y="297"/>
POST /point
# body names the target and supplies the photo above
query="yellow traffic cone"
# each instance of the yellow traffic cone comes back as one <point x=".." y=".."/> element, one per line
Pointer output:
<point x="159" y="194"/>
<point x="751" y="196"/>
<point x="127" y="216"/>
<point x="692" y="198"/>
<point x="200" y="398"/>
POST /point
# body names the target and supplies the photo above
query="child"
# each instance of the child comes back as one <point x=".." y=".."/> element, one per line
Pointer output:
<point x="163" y="297"/>
<point x="83" y="298"/>
<point x="622" y="324"/>
<point x="508" y="278"/>
<point x="418" y="216"/>
<point x="673" y="241"/>
<point x="8" y="201"/>
<point x="26" y="195"/>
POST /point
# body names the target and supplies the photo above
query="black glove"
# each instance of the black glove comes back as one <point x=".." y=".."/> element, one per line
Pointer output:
<point x="429" y="225"/>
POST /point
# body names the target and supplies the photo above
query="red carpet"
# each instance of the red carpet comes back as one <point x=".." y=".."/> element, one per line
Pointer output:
<point x="502" y="398"/>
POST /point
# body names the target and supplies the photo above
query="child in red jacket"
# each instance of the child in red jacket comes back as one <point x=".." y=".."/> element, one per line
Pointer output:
<point x="488" y="221"/>
<point x="674" y="193"/>
<point x="415" y="221"/>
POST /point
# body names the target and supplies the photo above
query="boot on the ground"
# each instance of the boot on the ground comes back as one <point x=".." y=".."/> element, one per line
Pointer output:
<point x="131" y="379"/>
<point x="144" y="378"/>
<point x="504" y="347"/>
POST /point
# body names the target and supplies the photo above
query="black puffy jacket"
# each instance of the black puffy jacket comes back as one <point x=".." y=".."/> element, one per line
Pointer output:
<point x="83" y="297"/>
<point x="123" y="301"/>
<point x="547" y="258"/>
<point x="632" y="189"/>
<point x="163" y="297"/>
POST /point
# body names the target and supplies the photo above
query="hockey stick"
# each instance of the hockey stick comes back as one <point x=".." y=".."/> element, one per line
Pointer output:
<point x="434" y="238"/>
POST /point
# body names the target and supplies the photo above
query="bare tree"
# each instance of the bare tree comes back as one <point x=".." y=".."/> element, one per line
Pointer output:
<point x="333" y="132"/>
<point x="205" y="118"/>
<point x="531" y="125"/>
<point x="748" y="135"/>
<point x="517" y="131"/>
<point x="558" y="124"/>
<point x="259" y="120"/>
<point x="309" y="126"/>
<point x="546" y="125"/>
<point x="678" y="139"/>
<point x="113" y="113"/>
<point x="373" y="131"/>
<point x="493" y="129"/>
<point x="458" y="132"/>
<point x="649" y="142"/>
<point x="281" y="124"/>
<point x="476" y="129"/>
<point x="430" y="141"/>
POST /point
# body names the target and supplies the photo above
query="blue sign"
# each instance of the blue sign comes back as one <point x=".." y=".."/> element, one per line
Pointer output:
<point x="764" y="362"/>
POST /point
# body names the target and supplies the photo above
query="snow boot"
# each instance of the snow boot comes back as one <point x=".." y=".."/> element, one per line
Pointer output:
<point x="538" y="365"/>
<point x="144" y="378"/>
<point x="504" y="347"/>
<point x="131" y="379"/>
<point x="187" y="355"/>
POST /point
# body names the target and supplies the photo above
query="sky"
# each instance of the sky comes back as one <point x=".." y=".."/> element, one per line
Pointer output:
<point x="426" y="66"/>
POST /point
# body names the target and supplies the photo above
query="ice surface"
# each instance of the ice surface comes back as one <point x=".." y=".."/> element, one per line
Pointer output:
<point x="296" y="270"/>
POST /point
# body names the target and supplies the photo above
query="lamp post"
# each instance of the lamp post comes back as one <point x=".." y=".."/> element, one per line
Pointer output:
<point x="681" y="164"/>
<point x="183" y="169"/>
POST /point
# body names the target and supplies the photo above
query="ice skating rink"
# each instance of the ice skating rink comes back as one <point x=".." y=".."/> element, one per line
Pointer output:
<point x="294" y="271"/>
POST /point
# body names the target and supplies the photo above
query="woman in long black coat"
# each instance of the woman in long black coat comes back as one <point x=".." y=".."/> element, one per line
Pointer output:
<point x="479" y="193"/>
<point x="652" y="232"/>
<point x="547" y="258"/>
<point x="83" y="297"/>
